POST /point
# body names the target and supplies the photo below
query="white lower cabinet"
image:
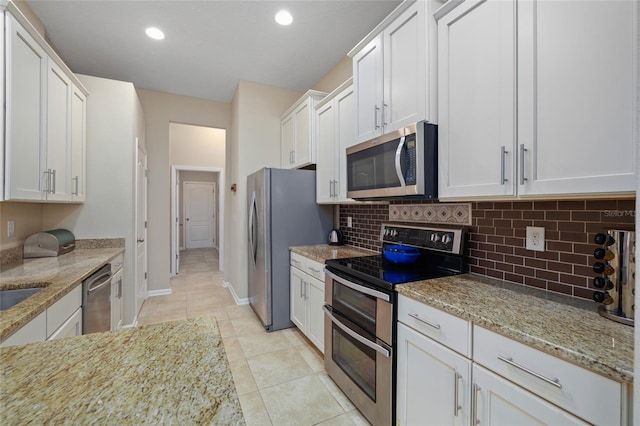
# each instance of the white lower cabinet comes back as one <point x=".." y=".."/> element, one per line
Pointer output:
<point x="62" y="319"/>
<point x="501" y="382"/>
<point x="499" y="402"/>
<point x="434" y="383"/>
<point x="307" y="298"/>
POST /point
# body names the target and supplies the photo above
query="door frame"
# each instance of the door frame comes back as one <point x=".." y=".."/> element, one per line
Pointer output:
<point x="174" y="212"/>
<point x="183" y="188"/>
<point x="141" y="149"/>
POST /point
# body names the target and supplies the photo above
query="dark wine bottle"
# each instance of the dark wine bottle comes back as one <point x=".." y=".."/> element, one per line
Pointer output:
<point x="601" y="268"/>
<point x="604" y="239"/>
<point x="603" y="254"/>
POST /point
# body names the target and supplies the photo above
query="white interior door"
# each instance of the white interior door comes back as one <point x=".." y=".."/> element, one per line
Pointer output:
<point x="177" y="241"/>
<point x="199" y="216"/>
<point x="215" y="215"/>
<point x="141" y="229"/>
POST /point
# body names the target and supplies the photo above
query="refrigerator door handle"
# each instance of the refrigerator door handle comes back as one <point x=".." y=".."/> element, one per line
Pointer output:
<point x="253" y="246"/>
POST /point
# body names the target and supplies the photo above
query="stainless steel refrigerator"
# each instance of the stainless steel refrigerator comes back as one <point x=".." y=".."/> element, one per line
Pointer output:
<point x="282" y="213"/>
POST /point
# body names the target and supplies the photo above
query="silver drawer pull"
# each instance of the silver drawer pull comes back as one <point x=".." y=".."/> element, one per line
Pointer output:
<point x="429" y="323"/>
<point x="555" y="382"/>
<point x="317" y="271"/>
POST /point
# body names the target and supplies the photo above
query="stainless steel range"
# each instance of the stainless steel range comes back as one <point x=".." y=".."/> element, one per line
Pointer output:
<point x="361" y="311"/>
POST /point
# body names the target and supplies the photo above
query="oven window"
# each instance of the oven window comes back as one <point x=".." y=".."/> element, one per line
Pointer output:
<point x="356" y="360"/>
<point x="372" y="168"/>
<point x="358" y="307"/>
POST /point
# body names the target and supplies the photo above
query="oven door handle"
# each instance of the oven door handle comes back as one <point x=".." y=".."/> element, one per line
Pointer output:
<point x="356" y="287"/>
<point x="380" y="349"/>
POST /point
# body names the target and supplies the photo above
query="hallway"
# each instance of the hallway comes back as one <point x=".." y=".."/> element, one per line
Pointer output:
<point x="279" y="376"/>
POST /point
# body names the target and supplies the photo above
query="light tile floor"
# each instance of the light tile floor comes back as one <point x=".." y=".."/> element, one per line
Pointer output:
<point x="279" y="376"/>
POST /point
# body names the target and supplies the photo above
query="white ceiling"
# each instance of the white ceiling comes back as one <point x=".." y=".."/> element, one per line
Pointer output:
<point x="209" y="45"/>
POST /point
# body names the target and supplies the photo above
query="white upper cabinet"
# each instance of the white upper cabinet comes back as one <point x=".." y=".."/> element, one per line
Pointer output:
<point x="390" y="72"/>
<point x="297" y="127"/>
<point x="335" y="132"/>
<point x="44" y="118"/>
<point x="476" y="72"/>
<point x="578" y="96"/>
<point x="557" y="119"/>
<point x="25" y="82"/>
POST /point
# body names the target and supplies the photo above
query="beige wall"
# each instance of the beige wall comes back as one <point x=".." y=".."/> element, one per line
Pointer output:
<point x="196" y="145"/>
<point x="254" y="143"/>
<point x="161" y="109"/>
<point x="27" y="218"/>
<point x="336" y="76"/>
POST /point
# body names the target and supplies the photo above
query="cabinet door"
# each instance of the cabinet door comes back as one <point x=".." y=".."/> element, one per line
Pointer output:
<point x="298" y="302"/>
<point x="577" y="96"/>
<point x="367" y="81"/>
<point x="33" y="331"/>
<point x="345" y="112"/>
<point x="287" y="134"/>
<point x="315" y="296"/>
<point x="26" y="78"/>
<point x="325" y="147"/>
<point x="71" y="327"/>
<point x="500" y="402"/>
<point x="476" y="96"/>
<point x="433" y="383"/>
<point x="78" y="145"/>
<point x="58" y="133"/>
<point x="405" y="69"/>
<point x="303" y="155"/>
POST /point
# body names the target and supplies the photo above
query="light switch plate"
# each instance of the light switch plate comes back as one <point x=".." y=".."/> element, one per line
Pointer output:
<point x="349" y="222"/>
<point x="11" y="228"/>
<point x="535" y="238"/>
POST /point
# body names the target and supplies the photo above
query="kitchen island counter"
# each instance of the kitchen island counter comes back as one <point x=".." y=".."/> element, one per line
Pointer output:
<point x="562" y="326"/>
<point x="58" y="275"/>
<point x="169" y="373"/>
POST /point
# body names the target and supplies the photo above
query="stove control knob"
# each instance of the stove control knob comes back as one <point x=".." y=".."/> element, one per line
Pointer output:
<point x="446" y="239"/>
<point x="434" y="237"/>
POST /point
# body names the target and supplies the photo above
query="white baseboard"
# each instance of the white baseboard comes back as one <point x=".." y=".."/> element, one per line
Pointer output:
<point x="164" y="292"/>
<point x="239" y="301"/>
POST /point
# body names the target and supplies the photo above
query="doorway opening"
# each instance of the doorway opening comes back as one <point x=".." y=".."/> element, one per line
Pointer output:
<point x="197" y="156"/>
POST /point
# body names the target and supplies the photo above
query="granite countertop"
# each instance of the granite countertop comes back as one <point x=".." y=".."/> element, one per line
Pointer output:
<point x="565" y="327"/>
<point x="59" y="275"/>
<point x="322" y="252"/>
<point x="170" y="373"/>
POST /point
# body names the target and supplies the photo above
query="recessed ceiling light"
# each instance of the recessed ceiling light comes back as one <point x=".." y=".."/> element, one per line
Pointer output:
<point x="284" y="17"/>
<point x="154" y="33"/>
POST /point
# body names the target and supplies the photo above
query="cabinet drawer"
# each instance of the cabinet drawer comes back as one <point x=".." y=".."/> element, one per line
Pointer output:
<point x="442" y="327"/>
<point x="33" y="331"/>
<point x="579" y="391"/>
<point x="298" y="261"/>
<point x="60" y="311"/>
<point x="315" y="269"/>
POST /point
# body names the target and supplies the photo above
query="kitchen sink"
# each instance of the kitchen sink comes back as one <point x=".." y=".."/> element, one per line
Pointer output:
<point x="10" y="298"/>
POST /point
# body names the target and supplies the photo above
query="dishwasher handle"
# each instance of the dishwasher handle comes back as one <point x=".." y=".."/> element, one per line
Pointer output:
<point x="97" y="285"/>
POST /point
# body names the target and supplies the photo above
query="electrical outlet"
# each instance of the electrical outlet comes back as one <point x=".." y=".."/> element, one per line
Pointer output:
<point x="11" y="228"/>
<point x="535" y="238"/>
<point x="349" y="221"/>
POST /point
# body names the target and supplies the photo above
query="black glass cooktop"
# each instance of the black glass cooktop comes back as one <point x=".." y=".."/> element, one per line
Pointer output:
<point x="377" y="270"/>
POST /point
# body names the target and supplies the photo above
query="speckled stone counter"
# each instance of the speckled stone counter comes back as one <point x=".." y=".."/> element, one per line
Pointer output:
<point x="322" y="252"/>
<point x="59" y="275"/>
<point x="170" y="373"/>
<point x="568" y="328"/>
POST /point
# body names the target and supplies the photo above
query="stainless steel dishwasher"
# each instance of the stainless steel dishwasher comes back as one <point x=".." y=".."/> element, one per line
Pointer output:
<point x="96" y="301"/>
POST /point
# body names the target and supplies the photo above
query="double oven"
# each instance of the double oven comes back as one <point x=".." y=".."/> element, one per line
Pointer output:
<point x="361" y="313"/>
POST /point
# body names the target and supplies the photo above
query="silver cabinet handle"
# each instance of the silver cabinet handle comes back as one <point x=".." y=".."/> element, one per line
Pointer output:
<point x="476" y="398"/>
<point x="141" y="240"/>
<point x="296" y="262"/>
<point x="555" y="382"/>
<point x="317" y="271"/>
<point x="330" y="188"/>
<point x="76" y="179"/>
<point x="53" y="175"/>
<point x="375" y="116"/>
<point x="380" y="349"/>
<point x="456" y="400"/>
<point x="47" y="180"/>
<point x="385" y="107"/>
<point x="522" y="151"/>
<point x="429" y="323"/>
<point x="503" y="160"/>
<point x="335" y="188"/>
<point x="301" y="292"/>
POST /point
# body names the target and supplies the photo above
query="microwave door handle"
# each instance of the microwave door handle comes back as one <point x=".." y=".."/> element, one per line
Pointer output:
<point x="398" y="165"/>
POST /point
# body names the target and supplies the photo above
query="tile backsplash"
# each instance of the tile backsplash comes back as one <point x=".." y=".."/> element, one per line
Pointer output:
<point x="496" y="243"/>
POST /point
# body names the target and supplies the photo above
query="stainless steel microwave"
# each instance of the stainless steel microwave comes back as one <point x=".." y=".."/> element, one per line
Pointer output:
<point x="403" y="163"/>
